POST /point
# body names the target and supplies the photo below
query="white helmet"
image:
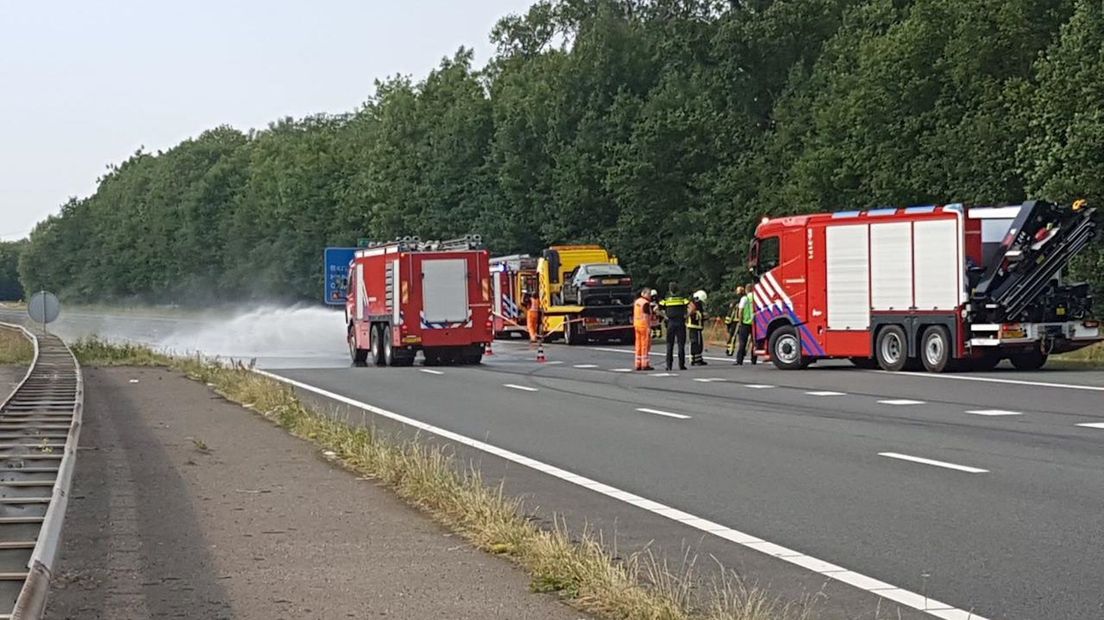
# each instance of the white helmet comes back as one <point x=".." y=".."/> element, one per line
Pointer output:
<point x="655" y="293"/>
<point x="700" y="296"/>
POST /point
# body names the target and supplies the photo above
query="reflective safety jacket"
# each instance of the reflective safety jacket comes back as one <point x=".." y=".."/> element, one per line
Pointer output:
<point x="675" y="307"/>
<point x="747" y="309"/>
<point x="695" y="318"/>
<point x="642" y="313"/>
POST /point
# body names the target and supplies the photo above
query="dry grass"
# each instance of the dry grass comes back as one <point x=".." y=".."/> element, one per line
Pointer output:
<point x="15" y="349"/>
<point x="582" y="568"/>
<point x="1093" y="355"/>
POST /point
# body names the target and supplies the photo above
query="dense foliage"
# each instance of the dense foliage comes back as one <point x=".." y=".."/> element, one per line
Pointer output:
<point x="10" y="287"/>
<point x="663" y="128"/>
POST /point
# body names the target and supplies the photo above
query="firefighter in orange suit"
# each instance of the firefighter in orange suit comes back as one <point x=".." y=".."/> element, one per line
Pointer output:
<point x="642" y="326"/>
<point x="532" y="317"/>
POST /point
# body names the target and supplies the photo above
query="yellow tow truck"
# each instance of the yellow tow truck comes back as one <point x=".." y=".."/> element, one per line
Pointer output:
<point x="584" y="295"/>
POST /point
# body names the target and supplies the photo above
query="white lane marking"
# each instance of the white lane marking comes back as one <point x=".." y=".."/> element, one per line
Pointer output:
<point x="1067" y="386"/>
<point x="621" y="369"/>
<point x="663" y="374"/>
<point x="825" y="393"/>
<point x="586" y="365"/>
<point x="924" y="461"/>
<point x="759" y="386"/>
<point x="630" y="352"/>
<point x="992" y="412"/>
<point x="901" y="402"/>
<point x="665" y="413"/>
<point x="523" y="388"/>
<point x="1092" y="424"/>
<point x="709" y="379"/>
<point x="430" y="371"/>
<point x="553" y="363"/>
<point x="830" y="571"/>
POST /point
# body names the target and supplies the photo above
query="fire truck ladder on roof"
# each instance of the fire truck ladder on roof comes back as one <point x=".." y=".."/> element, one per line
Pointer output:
<point x="1035" y="268"/>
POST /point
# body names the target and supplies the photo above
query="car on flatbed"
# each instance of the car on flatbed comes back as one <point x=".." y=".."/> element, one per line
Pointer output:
<point x="598" y="284"/>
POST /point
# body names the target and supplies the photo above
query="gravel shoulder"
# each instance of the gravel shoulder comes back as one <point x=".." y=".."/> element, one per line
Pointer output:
<point x="186" y="505"/>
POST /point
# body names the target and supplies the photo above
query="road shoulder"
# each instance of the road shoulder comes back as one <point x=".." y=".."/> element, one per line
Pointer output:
<point x="187" y="505"/>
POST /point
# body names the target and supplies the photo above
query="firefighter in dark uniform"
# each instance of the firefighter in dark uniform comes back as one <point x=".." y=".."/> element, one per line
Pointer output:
<point x="695" y="328"/>
<point x="732" y="322"/>
<point x="675" y="308"/>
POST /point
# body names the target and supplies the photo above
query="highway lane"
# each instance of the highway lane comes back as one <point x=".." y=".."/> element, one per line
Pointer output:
<point x="1020" y="540"/>
<point x="798" y="463"/>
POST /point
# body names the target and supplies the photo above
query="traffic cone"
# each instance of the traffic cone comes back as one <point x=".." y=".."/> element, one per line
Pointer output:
<point x="540" y="351"/>
<point x="487" y="350"/>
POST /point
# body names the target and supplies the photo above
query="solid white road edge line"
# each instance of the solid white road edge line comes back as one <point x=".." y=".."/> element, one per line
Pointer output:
<point x="838" y="573"/>
<point x="992" y="412"/>
<point x="1092" y="424"/>
<point x="1066" y="386"/>
<point x="664" y="413"/>
<point x="430" y="371"/>
<point x="523" y="388"/>
<point x="924" y="461"/>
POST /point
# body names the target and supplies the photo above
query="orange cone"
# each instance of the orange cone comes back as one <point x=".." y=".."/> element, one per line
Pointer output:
<point x="540" y="351"/>
<point x="487" y="350"/>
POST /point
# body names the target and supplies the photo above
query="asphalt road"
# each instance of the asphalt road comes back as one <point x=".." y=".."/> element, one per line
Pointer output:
<point x="983" y="491"/>
<point x="1007" y="523"/>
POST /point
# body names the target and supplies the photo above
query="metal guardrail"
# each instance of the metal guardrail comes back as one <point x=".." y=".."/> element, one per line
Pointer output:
<point x="39" y="428"/>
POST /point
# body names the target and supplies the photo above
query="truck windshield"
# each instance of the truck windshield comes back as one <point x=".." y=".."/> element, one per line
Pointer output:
<point x="764" y="255"/>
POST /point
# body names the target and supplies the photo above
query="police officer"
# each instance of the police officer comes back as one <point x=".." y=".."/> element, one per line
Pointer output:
<point x="695" y="328"/>
<point x="747" y="320"/>
<point x="675" y="309"/>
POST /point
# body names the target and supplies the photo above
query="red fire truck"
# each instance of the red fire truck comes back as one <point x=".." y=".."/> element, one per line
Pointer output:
<point x="411" y="295"/>
<point x="513" y="277"/>
<point x="938" y="287"/>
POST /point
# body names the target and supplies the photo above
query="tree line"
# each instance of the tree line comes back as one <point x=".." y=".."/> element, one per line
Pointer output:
<point x="664" y="129"/>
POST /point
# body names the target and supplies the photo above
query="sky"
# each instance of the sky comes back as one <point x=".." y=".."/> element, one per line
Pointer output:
<point x="86" y="84"/>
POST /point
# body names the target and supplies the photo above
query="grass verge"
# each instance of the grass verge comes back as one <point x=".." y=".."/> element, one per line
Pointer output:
<point x="582" y="568"/>
<point x="1089" y="356"/>
<point x="15" y="349"/>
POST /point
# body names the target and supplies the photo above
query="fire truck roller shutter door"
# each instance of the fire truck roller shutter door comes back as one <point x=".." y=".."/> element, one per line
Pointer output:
<point x="848" y="278"/>
<point x="891" y="266"/>
<point x="937" y="266"/>
<point x="445" y="290"/>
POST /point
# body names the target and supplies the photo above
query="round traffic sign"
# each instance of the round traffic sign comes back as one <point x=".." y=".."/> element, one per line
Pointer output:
<point x="44" y="307"/>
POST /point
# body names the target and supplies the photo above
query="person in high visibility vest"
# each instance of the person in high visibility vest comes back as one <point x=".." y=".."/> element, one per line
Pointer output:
<point x="732" y="322"/>
<point x="675" y="308"/>
<point x="532" y="317"/>
<point x="747" y="321"/>
<point x="695" y="328"/>
<point x="642" y="328"/>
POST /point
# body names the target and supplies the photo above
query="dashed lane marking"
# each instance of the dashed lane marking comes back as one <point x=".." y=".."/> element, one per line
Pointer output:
<point x="586" y="365"/>
<point x="825" y="393"/>
<point x="710" y="379"/>
<point x="678" y="416"/>
<point x="992" y="412"/>
<point x="759" y="386"/>
<point x="901" y="402"/>
<point x="621" y="369"/>
<point x="553" y="363"/>
<point x="825" y="569"/>
<point x="1092" y="424"/>
<point x="933" y="462"/>
<point x="430" y="371"/>
<point x="523" y="388"/>
<point x="663" y="374"/>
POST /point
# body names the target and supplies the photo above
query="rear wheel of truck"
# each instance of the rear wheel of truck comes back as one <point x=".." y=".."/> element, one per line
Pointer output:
<point x="1029" y="360"/>
<point x="573" y="332"/>
<point x="785" y="349"/>
<point x="891" y="348"/>
<point x="376" y="345"/>
<point x="389" y="358"/>
<point x="935" y="348"/>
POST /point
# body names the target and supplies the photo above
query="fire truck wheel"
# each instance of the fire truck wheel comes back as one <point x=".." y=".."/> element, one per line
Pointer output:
<point x="377" y="346"/>
<point x="891" y="348"/>
<point x="359" y="356"/>
<point x="388" y="347"/>
<point x="785" y="348"/>
<point x="1029" y="360"/>
<point x="935" y="350"/>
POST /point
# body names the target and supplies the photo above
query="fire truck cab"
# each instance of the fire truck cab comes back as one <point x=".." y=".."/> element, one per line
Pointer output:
<point x="938" y="287"/>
